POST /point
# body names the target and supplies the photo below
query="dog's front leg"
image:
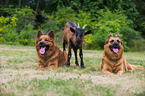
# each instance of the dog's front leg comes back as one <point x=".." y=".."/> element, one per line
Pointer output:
<point x="120" y="72"/>
<point x="52" y="65"/>
<point x="107" y="72"/>
<point x="120" y="69"/>
<point x="106" y="69"/>
<point x="40" y="65"/>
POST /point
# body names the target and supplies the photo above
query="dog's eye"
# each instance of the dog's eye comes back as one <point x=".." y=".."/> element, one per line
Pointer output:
<point x="118" y="41"/>
<point x="40" y="39"/>
<point x="111" y="41"/>
<point x="46" y="39"/>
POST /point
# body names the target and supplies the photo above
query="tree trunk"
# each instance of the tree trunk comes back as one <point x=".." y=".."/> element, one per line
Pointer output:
<point x="7" y="2"/>
<point x="36" y="11"/>
<point x="37" y="8"/>
<point x="19" y="3"/>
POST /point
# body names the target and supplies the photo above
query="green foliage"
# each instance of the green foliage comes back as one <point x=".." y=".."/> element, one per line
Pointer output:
<point x="18" y="28"/>
<point x="64" y="15"/>
<point x="101" y="16"/>
<point x="137" y="45"/>
<point x="129" y="34"/>
<point x="25" y="16"/>
<point x="8" y="30"/>
<point x="58" y="19"/>
<point x="26" y="35"/>
<point x="107" y="22"/>
<point x="130" y="38"/>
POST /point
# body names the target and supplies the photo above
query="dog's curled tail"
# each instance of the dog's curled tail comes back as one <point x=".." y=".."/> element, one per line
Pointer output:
<point x="137" y="67"/>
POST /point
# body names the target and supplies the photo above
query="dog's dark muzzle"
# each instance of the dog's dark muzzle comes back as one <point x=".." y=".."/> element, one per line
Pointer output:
<point x="42" y="44"/>
<point x="115" y="45"/>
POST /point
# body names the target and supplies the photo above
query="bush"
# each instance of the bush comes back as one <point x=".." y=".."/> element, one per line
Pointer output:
<point x="107" y="22"/>
<point x="27" y="34"/>
<point x="18" y="28"/>
<point x="25" y="16"/>
<point x="137" y="45"/>
<point x="129" y="35"/>
<point x="8" y="32"/>
<point x="57" y="21"/>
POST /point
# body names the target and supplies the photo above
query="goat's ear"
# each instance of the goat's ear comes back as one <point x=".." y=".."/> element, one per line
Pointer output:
<point x="72" y="30"/>
<point x="51" y="34"/>
<point x="88" y="32"/>
<point x="39" y="33"/>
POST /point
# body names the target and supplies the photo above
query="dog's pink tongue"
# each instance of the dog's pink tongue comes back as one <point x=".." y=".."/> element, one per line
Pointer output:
<point x="42" y="50"/>
<point x="115" y="50"/>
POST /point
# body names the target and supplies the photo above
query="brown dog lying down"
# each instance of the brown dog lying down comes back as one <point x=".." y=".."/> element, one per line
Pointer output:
<point x="48" y="54"/>
<point x="113" y="59"/>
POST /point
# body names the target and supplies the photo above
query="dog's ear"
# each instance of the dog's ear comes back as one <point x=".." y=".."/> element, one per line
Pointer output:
<point x="51" y="34"/>
<point x="106" y="42"/>
<point x="117" y="35"/>
<point x="109" y="35"/>
<point x="39" y="33"/>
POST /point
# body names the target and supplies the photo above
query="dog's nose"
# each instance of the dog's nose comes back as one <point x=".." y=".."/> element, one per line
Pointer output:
<point x="41" y="44"/>
<point x="115" y="43"/>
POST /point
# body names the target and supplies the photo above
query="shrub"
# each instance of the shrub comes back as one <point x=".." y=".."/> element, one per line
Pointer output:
<point x="129" y="34"/>
<point x="137" y="45"/>
<point x="27" y="34"/>
<point x="18" y="28"/>
<point x="25" y="16"/>
<point x="107" y="22"/>
<point x="57" y="21"/>
<point x="8" y="29"/>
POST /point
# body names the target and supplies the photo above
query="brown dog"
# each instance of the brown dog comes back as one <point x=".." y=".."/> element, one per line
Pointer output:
<point x="48" y="54"/>
<point x="113" y="59"/>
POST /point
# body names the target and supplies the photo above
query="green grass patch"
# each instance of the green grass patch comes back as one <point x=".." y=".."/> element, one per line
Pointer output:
<point x="20" y="75"/>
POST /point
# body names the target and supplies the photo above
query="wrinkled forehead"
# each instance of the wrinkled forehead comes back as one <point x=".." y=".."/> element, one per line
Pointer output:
<point x="44" y="37"/>
<point x="114" y="38"/>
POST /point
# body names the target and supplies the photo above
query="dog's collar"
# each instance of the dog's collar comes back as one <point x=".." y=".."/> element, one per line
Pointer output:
<point x="77" y="44"/>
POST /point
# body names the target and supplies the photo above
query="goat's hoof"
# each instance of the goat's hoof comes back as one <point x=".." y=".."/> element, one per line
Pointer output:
<point x="77" y="64"/>
<point x="68" y="65"/>
<point x="82" y="66"/>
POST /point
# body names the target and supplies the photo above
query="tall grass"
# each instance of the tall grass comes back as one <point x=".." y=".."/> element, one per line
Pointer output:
<point x="20" y="76"/>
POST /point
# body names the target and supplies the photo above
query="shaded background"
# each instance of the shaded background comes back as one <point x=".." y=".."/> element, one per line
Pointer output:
<point x="21" y="19"/>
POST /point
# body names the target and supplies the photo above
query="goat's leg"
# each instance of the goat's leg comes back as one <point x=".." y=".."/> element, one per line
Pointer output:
<point x="77" y="64"/>
<point x="81" y="56"/>
<point x="63" y="43"/>
<point x="69" y="56"/>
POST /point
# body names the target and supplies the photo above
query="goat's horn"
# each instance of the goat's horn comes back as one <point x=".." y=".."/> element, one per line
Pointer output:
<point x="84" y="26"/>
<point x="78" y="25"/>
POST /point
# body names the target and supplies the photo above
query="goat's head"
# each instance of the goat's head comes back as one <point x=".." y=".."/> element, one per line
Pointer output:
<point x="80" y="33"/>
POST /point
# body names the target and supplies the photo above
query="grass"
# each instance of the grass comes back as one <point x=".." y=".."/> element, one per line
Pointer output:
<point x="20" y="76"/>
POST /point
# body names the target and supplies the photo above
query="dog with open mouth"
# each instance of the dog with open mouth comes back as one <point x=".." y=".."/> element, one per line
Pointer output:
<point x="113" y="60"/>
<point x="48" y="53"/>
